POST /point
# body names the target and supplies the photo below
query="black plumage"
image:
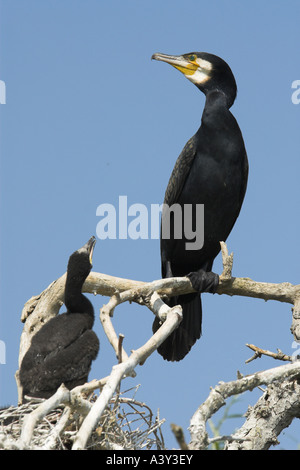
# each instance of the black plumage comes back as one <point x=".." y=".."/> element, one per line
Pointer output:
<point x="63" y="349"/>
<point x="212" y="170"/>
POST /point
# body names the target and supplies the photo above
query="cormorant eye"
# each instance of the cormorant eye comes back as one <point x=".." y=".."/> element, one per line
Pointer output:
<point x="192" y="57"/>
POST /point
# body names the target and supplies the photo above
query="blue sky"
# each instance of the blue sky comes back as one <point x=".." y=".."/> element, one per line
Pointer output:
<point x="89" y="117"/>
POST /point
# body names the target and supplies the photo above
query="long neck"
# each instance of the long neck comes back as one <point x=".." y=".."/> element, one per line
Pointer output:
<point x="216" y="99"/>
<point x="216" y="110"/>
<point x="75" y="301"/>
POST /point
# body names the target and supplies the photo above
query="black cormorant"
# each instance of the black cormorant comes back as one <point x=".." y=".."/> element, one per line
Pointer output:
<point x="63" y="349"/>
<point x="212" y="170"/>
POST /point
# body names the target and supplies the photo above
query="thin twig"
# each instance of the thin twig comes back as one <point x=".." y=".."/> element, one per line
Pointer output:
<point x="179" y="436"/>
<point x="225" y="438"/>
<point x="260" y="352"/>
<point x="121" y="339"/>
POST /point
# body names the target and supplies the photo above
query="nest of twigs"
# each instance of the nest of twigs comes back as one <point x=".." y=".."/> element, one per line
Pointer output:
<point x="126" y="424"/>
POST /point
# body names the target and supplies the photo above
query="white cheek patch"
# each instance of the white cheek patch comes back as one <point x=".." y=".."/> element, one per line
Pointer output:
<point x="200" y="76"/>
<point x="204" y="64"/>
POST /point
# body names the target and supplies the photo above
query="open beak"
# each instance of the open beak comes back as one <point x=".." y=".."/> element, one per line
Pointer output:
<point x="90" y="245"/>
<point x="187" y="67"/>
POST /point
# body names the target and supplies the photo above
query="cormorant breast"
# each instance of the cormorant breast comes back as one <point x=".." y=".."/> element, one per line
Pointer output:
<point x="63" y="349"/>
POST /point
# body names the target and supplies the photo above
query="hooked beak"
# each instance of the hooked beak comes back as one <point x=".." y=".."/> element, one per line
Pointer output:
<point x="184" y="65"/>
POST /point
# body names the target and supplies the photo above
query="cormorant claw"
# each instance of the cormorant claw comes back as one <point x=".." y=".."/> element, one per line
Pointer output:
<point x="203" y="281"/>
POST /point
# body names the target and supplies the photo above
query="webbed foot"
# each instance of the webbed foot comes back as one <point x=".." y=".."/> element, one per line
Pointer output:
<point x="203" y="281"/>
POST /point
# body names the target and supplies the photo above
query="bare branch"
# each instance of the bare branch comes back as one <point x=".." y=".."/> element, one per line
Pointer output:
<point x="123" y="369"/>
<point x="179" y="436"/>
<point x="260" y="352"/>
<point x="49" y="302"/>
<point x="51" y="441"/>
<point x="295" y="328"/>
<point x="39" y="309"/>
<point x="273" y="412"/>
<point x="227" y="263"/>
<point x="38" y="414"/>
<point x="126" y="423"/>
<point x="106" y="313"/>
<point x="46" y="305"/>
<point x="218" y="395"/>
<point x="121" y="339"/>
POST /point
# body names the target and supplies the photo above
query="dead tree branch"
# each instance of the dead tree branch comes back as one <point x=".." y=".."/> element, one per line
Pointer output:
<point x="218" y="395"/>
<point x="39" y="425"/>
<point x="258" y="352"/>
<point x="65" y="397"/>
<point x="274" y="411"/>
<point x="44" y="306"/>
<point x="124" y="369"/>
<point x="41" y="308"/>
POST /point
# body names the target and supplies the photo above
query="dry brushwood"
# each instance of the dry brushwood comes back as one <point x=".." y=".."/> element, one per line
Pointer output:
<point x="41" y="308"/>
<point x="42" y="425"/>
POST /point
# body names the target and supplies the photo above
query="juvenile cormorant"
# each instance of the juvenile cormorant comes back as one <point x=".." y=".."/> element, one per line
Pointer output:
<point x="212" y="170"/>
<point x="63" y="349"/>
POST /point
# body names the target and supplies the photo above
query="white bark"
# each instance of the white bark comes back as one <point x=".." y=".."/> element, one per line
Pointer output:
<point x="273" y="412"/>
<point x="218" y="395"/>
<point x="41" y="308"/>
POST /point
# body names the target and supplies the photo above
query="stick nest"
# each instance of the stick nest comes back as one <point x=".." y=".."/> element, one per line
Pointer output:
<point x="126" y="424"/>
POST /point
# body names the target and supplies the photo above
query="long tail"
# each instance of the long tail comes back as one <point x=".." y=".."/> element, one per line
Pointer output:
<point x="179" y="343"/>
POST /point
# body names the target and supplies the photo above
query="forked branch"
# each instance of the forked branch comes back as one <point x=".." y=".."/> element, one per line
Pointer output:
<point x="218" y="395"/>
<point x="41" y="308"/>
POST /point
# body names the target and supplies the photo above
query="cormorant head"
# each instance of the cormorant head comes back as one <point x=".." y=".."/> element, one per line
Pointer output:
<point x="80" y="262"/>
<point x="207" y="71"/>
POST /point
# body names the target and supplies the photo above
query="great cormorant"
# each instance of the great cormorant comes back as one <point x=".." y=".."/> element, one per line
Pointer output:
<point x="63" y="349"/>
<point x="212" y="170"/>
